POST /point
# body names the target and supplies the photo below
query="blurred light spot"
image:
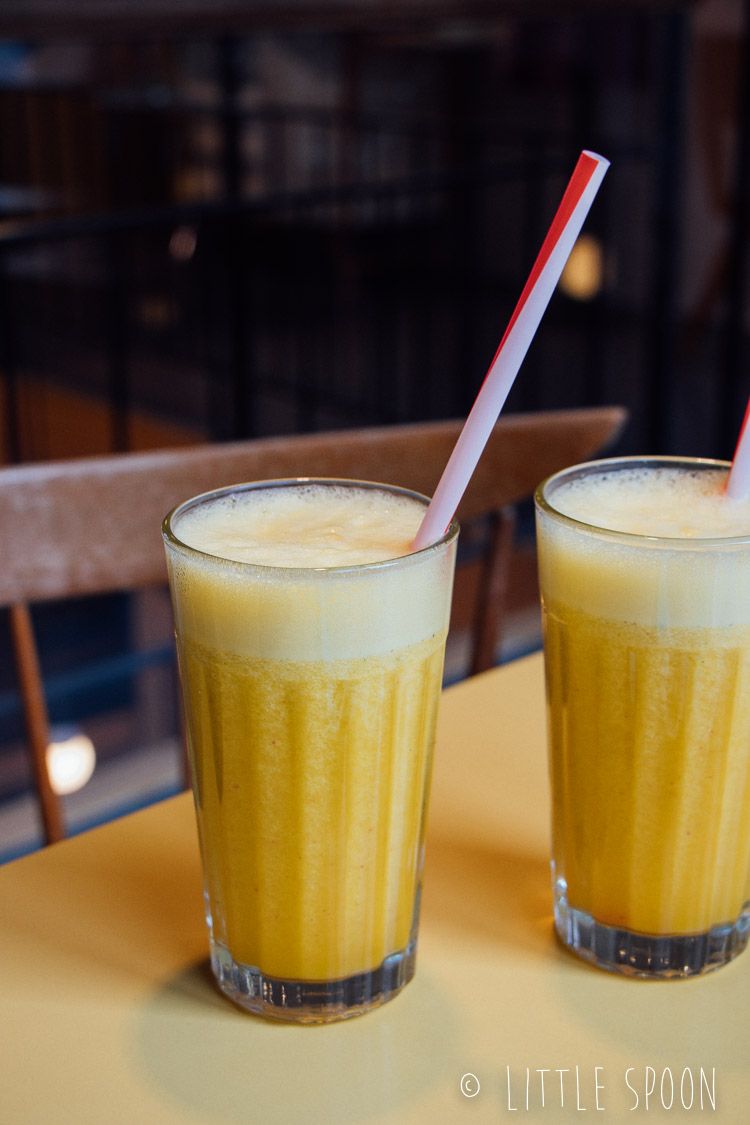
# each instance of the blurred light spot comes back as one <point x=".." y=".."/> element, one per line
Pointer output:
<point x="71" y="759"/>
<point x="156" y="312"/>
<point x="182" y="244"/>
<point x="583" y="274"/>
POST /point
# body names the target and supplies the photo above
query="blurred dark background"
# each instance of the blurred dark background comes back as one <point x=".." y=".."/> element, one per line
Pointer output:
<point x="228" y="219"/>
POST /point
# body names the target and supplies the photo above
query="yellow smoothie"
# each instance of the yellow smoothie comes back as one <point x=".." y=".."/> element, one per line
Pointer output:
<point x="647" y="651"/>
<point x="311" y="789"/>
<point x="311" y="683"/>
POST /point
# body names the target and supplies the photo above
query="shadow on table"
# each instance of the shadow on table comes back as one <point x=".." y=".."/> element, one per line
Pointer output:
<point x="219" y="1063"/>
<point x="202" y="1053"/>
<point x="697" y="1022"/>
<point x="489" y="896"/>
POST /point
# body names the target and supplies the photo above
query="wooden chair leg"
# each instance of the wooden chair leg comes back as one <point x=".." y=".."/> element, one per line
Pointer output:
<point x="493" y="590"/>
<point x="35" y="716"/>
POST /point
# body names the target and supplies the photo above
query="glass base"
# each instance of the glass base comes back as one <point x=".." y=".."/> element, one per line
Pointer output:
<point x="655" y="956"/>
<point x="310" y="1001"/>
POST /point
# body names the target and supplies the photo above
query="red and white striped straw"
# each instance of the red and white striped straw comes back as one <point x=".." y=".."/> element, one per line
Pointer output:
<point x="738" y="481"/>
<point x="545" y="274"/>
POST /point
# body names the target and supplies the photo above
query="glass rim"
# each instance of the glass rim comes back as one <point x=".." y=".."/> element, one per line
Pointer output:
<point x="544" y="504"/>
<point x="172" y="539"/>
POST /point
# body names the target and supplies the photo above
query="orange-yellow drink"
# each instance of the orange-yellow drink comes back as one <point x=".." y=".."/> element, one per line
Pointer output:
<point x="311" y="645"/>
<point x="644" y="572"/>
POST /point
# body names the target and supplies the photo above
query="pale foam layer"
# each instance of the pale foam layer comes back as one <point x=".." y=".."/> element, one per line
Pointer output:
<point x="304" y="526"/>
<point x="664" y="502"/>
<point x="651" y="581"/>
<point x="296" y="613"/>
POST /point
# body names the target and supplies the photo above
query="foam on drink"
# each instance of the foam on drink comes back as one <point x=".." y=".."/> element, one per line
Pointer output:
<point x="662" y="502"/>
<point x="304" y="527"/>
<point x="273" y="580"/>
<point x="653" y="582"/>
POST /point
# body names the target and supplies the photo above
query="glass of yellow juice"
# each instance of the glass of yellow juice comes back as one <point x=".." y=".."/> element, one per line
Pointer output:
<point x="310" y="641"/>
<point x="644" y="571"/>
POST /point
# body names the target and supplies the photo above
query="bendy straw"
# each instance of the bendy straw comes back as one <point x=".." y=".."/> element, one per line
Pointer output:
<point x="566" y="225"/>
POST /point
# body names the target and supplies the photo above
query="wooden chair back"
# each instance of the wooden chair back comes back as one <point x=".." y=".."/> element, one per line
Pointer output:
<point x="92" y="525"/>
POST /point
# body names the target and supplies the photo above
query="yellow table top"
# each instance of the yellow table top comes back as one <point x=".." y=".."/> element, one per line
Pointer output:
<point x="109" y="1013"/>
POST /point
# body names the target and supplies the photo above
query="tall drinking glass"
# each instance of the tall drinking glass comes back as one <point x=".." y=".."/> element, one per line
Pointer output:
<point x="311" y="693"/>
<point x="647" y="653"/>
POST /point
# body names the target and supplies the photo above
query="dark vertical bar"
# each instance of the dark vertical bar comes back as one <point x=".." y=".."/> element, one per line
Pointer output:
<point x="462" y="153"/>
<point x="118" y="343"/>
<point x="731" y="406"/>
<point x="585" y="86"/>
<point x="8" y="368"/>
<point x="210" y="266"/>
<point x="116" y="311"/>
<point x="309" y="309"/>
<point x="243" y="420"/>
<point x="229" y="78"/>
<point x="590" y="76"/>
<point x="665" y="237"/>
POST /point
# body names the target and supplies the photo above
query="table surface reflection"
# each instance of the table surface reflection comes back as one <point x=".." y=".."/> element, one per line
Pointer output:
<point x="110" y="1015"/>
